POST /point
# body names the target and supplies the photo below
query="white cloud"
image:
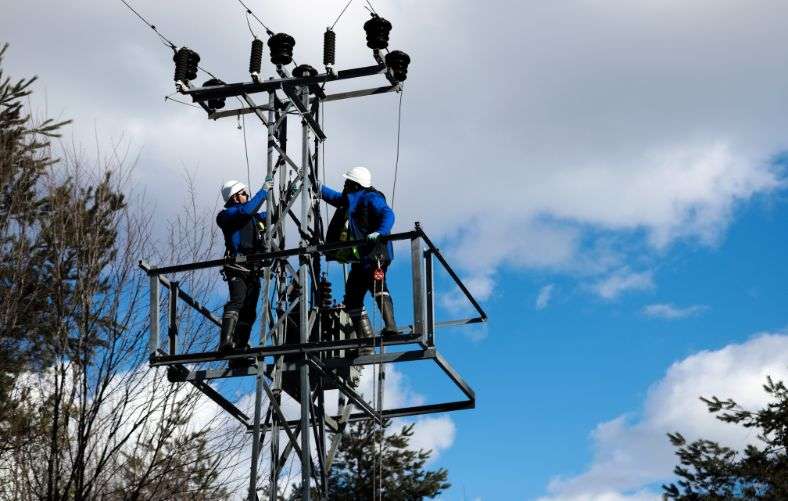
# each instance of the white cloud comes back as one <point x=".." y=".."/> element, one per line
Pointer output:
<point x="604" y="137"/>
<point x="631" y="453"/>
<point x="433" y="433"/>
<point x="623" y="281"/>
<point x="545" y="294"/>
<point x="643" y="495"/>
<point x="671" y="312"/>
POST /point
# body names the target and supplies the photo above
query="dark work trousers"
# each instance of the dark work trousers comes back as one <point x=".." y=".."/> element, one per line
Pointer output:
<point x="361" y="279"/>
<point x="244" y="293"/>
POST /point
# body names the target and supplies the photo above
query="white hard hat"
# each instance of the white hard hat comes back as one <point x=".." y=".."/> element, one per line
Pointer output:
<point x="360" y="175"/>
<point x="232" y="187"/>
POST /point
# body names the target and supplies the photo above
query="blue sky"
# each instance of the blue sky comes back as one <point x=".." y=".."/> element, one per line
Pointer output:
<point x="546" y="378"/>
<point x="624" y="159"/>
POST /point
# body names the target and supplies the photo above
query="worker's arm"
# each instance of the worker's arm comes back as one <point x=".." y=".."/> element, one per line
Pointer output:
<point x="380" y="206"/>
<point x="333" y="198"/>
<point x="245" y="209"/>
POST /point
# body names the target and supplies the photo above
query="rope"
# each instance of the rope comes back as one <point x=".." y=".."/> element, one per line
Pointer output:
<point x="396" y="158"/>
<point x="378" y="375"/>
<point x="340" y="14"/>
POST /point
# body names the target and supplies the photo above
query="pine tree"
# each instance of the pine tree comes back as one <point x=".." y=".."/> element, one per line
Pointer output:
<point x="24" y="159"/>
<point x="360" y="471"/>
<point x="710" y="471"/>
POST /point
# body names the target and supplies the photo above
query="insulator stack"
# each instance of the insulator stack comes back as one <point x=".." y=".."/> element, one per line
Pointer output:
<point x="256" y="58"/>
<point x="397" y="63"/>
<point x="215" y="103"/>
<point x="186" y="61"/>
<point x="325" y="293"/>
<point x="329" y="48"/>
<point x="377" y="30"/>
<point x="303" y="71"/>
<point x="281" y="48"/>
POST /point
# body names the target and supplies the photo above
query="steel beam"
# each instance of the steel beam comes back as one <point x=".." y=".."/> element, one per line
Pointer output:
<point x="172" y="325"/>
<point x="182" y="295"/>
<point x="303" y="308"/>
<point x="153" y="341"/>
<point x="264" y="256"/>
<point x="284" y="349"/>
<point x="417" y="272"/>
<point x="200" y="94"/>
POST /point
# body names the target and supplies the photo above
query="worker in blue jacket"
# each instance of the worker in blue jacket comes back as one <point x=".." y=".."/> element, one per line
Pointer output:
<point x="242" y="224"/>
<point x="363" y="214"/>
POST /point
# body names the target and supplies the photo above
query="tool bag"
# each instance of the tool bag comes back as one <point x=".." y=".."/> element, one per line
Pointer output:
<point x="339" y="231"/>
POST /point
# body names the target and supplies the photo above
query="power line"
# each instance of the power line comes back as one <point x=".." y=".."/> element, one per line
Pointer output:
<point x="249" y="11"/>
<point x="340" y="14"/>
<point x="371" y="8"/>
<point x="246" y="153"/>
<point x="169" y="98"/>
<point x="169" y="43"/>
<point x="150" y="25"/>
<point x="250" y="26"/>
<point x="396" y="158"/>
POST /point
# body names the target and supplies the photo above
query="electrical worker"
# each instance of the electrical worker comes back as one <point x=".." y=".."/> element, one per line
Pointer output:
<point x="362" y="213"/>
<point x="242" y="225"/>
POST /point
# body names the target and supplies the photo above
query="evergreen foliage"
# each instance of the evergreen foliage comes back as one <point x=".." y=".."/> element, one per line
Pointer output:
<point x="361" y="471"/>
<point x="24" y="159"/>
<point x="710" y="471"/>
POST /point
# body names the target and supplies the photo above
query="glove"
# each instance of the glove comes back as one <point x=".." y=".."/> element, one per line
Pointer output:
<point x="268" y="184"/>
<point x="295" y="187"/>
<point x="373" y="236"/>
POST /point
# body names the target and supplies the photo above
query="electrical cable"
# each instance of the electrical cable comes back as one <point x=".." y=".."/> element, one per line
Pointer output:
<point x="371" y="8"/>
<point x="151" y="26"/>
<point x="168" y="98"/>
<point x="249" y="11"/>
<point x="166" y="41"/>
<point x="340" y="15"/>
<point x="246" y="153"/>
<point x="396" y="158"/>
<point x="250" y="26"/>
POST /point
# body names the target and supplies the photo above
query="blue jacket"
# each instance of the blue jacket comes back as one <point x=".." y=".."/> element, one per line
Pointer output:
<point x="239" y="223"/>
<point x="367" y="213"/>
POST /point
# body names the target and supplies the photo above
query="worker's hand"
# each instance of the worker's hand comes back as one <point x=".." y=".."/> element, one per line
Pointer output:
<point x="295" y="187"/>
<point x="268" y="184"/>
<point x="373" y="236"/>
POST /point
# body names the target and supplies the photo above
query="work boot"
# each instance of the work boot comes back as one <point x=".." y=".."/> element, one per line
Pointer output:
<point x="226" y="343"/>
<point x="363" y="330"/>
<point x="240" y="363"/>
<point x="242" y="334"/>
<point x="386" y="306"/>
<point x="241" y="340"/>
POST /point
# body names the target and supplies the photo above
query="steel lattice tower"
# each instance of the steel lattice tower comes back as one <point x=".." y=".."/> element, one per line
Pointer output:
<point x="305" y="346"/>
